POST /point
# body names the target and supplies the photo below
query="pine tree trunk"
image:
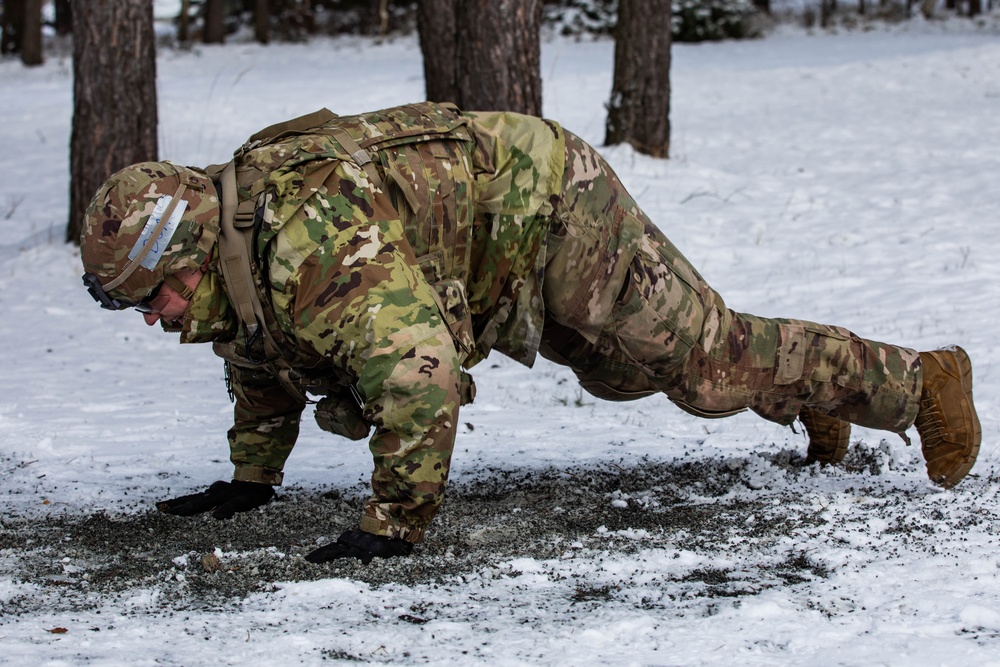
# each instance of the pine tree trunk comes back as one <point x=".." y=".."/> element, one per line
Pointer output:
<point x="31" y="37"/>
<point x="499" y="55"/>
<point x="114" y="96"/>
<point x="438" y="44"/>
<point x="184" y="22"/>
<point x="262" y="21"/>
<point x="64" y="17"/>
<point x="639" y="110"/>
<point x="214" y="31"/>
<point x="13" y="26"/>
<point x="380" y="9"/>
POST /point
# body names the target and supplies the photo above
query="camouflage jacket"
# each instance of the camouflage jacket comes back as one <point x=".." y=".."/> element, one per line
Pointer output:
<point x="385" y="294"/>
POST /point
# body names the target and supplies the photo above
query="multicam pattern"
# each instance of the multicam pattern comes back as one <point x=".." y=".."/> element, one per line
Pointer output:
<point x="383" y="281"/>
<point x="369" y="279"/>
<point x="520" y="170"/>
<point x="118" y="212"/>
<point x="632" y="316"/>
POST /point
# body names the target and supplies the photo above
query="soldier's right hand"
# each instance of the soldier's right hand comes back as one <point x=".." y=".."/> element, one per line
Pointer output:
<point x="223" y="499"/>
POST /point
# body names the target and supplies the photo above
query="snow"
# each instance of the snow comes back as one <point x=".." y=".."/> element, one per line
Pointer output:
<point x="846" y="178"/>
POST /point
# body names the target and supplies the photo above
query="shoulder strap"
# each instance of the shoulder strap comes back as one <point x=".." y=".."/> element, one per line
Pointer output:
<point x="235" y="264"/>
<point x="234" y="257"/>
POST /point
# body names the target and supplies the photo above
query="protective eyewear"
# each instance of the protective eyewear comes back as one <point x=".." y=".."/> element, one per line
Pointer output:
<point x="93" y="285"/>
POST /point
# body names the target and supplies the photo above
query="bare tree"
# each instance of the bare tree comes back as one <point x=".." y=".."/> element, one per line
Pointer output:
<point x="483" y="54"/>
<point x="13" y="22"/>
<point x="262" y="21"/>
<point x="381" y="11"/>
<point x="184" y="22"/>
<point x="31" y="36"/>
<point x="114" y="96"/>
<point x="22" y="30"/>
<point x="639" y="110"/>
<point x="439" y="46"/>
<point x="214" y="31"/>
<point x="64" y="17"/>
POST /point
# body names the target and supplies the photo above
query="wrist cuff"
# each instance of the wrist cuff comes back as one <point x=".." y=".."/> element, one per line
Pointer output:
<point x="258" y="474"/>
<point x="413" y="534"/>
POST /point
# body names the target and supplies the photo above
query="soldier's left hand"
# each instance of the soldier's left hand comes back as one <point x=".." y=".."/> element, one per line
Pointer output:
<point x="361" y="545"/>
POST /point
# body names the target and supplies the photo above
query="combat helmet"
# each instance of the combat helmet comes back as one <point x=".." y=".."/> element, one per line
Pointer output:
<point x="145" y="223"/>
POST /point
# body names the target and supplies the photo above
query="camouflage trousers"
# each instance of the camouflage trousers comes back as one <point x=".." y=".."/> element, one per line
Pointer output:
<point x="631" y="316"/>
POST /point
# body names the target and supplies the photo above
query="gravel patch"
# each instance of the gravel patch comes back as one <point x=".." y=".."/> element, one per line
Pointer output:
<point x="722" y="507"/>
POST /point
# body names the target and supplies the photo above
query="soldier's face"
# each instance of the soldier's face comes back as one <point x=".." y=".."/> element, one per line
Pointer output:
<point x="168" y="305"/>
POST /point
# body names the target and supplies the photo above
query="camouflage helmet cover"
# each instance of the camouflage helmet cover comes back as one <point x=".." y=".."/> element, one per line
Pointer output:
<point x="120" y="211"/>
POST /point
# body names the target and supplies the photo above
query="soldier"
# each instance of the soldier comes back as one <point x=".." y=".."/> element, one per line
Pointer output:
<point x="373" y="259"/>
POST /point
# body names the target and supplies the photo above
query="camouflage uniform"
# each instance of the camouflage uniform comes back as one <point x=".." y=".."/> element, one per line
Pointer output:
<point x="489" y="231"/>
<point x="631" y="316"/>
<point x="381" y="299"/>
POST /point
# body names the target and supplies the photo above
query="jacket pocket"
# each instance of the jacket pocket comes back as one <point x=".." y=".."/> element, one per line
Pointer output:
<point x="451" y="300"/>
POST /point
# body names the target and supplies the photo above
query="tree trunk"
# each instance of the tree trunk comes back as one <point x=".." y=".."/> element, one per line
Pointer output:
<point x="31" y="35"/>
<point x="13" y="26"/>
<point x="827" y="8"/>
<point x="262" y="21"/>
<point x="184" y="22"/>
<point x="483" y="54"/>
<point x="380" y="10"/>
<point x="499" y="55"/>
<point x="639" y="110"/>
<point x="214" y="31"/>
<point x="114" y="96"/>
<point x="439" y="45"/>
<point x="64" y="17"/>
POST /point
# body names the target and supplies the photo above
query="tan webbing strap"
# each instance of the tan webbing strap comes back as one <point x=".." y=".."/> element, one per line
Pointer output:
<point x="300" y="124"/>
<point x="234" y="260"/>
<point x="179" y="287"/>
<point x="363" y="159"/>
<point x="360" y="156"/>
<point x="134" y="264"/>
<point x="404" y="186"/>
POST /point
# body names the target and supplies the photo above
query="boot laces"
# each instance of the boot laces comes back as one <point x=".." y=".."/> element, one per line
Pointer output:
<point x="931" y="423"/>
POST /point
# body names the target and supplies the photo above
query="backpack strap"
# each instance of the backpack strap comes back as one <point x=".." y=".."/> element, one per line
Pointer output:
<point x="236" y="267"/>
<point x="363" y="159"/>
<point x="234" y="257"/>
<point x="359" y="155"/>
<point x="289" y="127"/>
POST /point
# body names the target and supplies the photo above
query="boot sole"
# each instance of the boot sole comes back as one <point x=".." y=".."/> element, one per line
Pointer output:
<point x="965" y="377"/>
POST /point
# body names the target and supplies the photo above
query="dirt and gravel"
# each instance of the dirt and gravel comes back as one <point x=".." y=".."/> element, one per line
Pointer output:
<point x="80" y="561"/>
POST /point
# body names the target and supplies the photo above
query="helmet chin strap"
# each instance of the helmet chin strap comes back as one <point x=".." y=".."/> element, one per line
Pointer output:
<point x="134" y="263"/>
<point x="178" y="286"/>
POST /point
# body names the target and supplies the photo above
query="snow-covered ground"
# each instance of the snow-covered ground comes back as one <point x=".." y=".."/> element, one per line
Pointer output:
<point x="850" y="179"/>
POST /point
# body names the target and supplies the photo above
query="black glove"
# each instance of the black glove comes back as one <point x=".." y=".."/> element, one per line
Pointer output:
<point x="225" y="498"/>
<point x="361" y="545"/>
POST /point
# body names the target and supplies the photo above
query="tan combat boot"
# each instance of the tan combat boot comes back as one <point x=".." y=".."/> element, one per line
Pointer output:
<point x="949" y="428"/>
<point x="828" y="437"/>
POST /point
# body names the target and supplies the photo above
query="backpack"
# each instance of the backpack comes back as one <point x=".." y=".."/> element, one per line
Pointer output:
<point x="424" y="151"/>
